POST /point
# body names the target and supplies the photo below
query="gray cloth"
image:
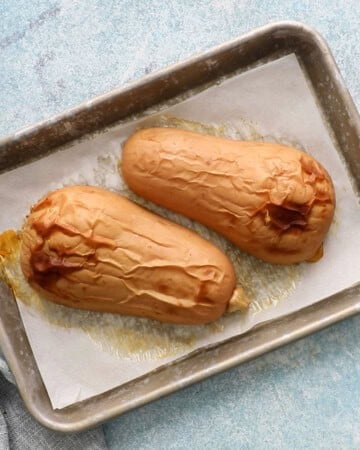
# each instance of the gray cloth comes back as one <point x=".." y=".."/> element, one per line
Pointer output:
<point x="19" y="431"/>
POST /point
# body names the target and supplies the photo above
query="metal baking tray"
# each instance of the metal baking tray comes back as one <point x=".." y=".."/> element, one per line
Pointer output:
<point x="259" y="46"/>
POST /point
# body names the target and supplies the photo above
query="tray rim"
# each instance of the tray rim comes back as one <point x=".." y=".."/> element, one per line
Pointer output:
<point x="305" y="321"/>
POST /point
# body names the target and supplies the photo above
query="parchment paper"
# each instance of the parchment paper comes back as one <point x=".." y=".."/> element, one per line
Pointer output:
<point x="81" y="354"/>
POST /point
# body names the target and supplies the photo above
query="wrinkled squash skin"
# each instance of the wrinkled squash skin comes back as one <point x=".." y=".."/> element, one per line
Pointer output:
<point x="273" y="201"/>
<point x="88" y="248"/>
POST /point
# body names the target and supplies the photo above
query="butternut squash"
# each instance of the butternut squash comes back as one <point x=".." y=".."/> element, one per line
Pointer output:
<point x="273" y="201"/>
<point x="88" y="248"/>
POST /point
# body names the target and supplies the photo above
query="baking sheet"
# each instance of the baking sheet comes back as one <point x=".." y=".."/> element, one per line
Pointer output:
<point x="81" y="354"/>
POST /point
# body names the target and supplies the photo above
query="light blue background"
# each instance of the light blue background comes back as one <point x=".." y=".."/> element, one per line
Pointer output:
<point x="54" y="54"/>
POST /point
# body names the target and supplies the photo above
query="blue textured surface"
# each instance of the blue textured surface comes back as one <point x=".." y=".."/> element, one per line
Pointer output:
<point x="304" y="396"/>
<point x="54" y="54"/>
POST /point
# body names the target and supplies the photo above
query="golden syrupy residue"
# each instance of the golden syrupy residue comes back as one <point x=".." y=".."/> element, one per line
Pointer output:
<point x="176" y="122"/>
<point x="242" y="129"/>
<point x="9" y="243"/>
<point x="265" y="284"/>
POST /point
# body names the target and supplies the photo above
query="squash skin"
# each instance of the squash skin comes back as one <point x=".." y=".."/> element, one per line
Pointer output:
<point x="272" y="201"/>
<point x="89" y="248"/>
